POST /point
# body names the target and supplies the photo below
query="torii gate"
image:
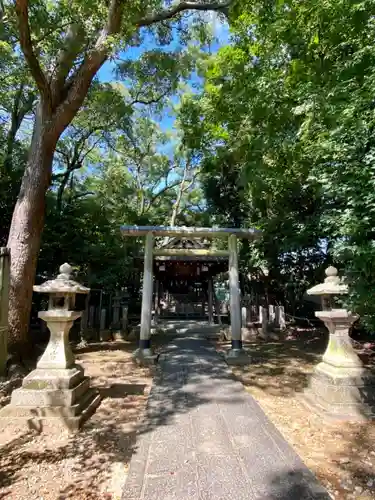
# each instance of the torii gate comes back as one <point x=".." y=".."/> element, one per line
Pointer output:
<point x="144" y="353"/>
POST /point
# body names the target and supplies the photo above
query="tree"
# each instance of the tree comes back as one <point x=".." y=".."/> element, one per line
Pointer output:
<point x="136" y="182"/>
<point x="65" y="45"/>
<point x="105" y="112"/>
<point x="289" y="106"/>
<point x="146" y="176"/>
<point x="17" y="97"/>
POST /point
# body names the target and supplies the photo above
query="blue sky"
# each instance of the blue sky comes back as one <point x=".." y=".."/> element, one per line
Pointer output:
<point x="106" y="73"/>
<point x="167" y="118"/>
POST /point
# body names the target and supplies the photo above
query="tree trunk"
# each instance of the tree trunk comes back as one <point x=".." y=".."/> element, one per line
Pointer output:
<point x="26" y="230"/>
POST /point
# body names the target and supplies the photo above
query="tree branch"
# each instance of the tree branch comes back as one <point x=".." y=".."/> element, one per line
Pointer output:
<point x="63" y="153"/>
<point x="65" y="59"/>
<point x="77" y="86"/>
<point x="81" y="195"/>
<point x="163" y="190"/>
<point x="192" y="181"/>
<point x="51" y="31"/>
<point x="176" y="205"/>
<point x="84" y="156"/>
<point x="158" y="180"/>
<point x="148" y="102"/>
<point x="28" y="51"/>
<point x="182" y="7"/>
<point x="16" y="118"/>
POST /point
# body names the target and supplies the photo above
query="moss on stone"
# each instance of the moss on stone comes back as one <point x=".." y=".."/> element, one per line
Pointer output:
<point x="37" y="385"/>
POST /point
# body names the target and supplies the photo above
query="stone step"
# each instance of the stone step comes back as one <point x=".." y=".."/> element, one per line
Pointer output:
<point x="64" y="378"/>
<point x="91" y="405"/>
<point x="45" y="418"/>
<point x="333" y="411"/>
<point x="50" y="397"/>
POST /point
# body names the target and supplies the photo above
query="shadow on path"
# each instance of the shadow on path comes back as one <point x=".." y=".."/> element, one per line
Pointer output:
<point x="204" y="437"/>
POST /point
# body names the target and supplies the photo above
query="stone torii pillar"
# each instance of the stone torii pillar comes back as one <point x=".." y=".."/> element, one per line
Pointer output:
<point x="144" y="354"/>
<point x="235" y="305"/>
<point x="236" y="354"/>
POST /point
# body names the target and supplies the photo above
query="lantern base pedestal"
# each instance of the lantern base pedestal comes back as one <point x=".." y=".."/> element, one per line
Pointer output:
<point x="51" y="398"/>
<point x="341" y="393"/>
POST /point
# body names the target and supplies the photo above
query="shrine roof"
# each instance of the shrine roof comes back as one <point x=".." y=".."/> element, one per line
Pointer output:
<point x="186" y="258"/>
<point x="182" y="243"/>
<point x="179" y="242"/>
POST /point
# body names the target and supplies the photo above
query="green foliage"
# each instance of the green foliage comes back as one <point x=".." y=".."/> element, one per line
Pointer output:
<point x="9" y="182"/>
<point x="117" y="172"/>
<point x="85" y="234"/>
<point x="112" y="165"/>
<point x="285" y="130"/>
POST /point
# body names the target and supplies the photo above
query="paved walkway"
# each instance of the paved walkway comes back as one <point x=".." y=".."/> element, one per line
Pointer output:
<point x="206" y="438"/>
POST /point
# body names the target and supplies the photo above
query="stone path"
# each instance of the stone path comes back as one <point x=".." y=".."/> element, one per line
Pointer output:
<point x="206" y="438"/>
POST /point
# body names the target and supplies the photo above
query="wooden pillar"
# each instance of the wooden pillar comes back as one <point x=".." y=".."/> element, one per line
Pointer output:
<point x="161" y="297"/>
<point x="156" y="301"/>
<point x="235" y="306"/>
<point x="157" y="297"/>
<point x="4" y="306"/>
<point x="210" y="301"/>
<point x="144" y="341"/>
<point x="203" y="301"/>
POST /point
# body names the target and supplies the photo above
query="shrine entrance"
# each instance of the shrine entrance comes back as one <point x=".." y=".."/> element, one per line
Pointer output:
<point x="183" y="286"/>
<point x="181" y="272"/>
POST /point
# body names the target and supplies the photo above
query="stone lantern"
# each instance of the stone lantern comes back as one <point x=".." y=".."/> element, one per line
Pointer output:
<point x="56" y="392"/>
<point x="340" y="386"/>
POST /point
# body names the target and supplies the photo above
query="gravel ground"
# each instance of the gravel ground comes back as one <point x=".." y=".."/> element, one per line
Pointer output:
<point x="342" y="455"/>
<point x="91" y="464"/>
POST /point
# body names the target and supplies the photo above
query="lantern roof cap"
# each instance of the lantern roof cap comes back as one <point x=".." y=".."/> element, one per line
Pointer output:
<point x="332" y="285"/>
<point x="62" y="283"/>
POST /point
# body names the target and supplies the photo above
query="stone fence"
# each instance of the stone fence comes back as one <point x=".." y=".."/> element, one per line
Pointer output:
<point x="271" y="316"/>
